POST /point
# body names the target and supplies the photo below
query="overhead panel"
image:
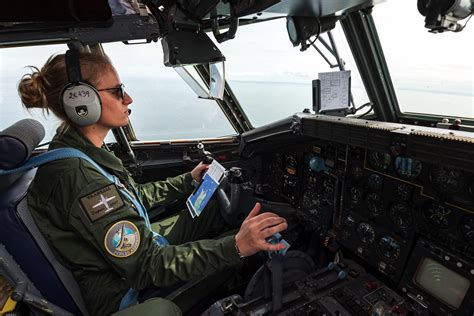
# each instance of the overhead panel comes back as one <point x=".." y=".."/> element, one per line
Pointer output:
<point x="319" y="7"/>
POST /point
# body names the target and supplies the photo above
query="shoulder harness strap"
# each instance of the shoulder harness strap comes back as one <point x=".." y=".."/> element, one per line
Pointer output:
<point x="63" y="153"/>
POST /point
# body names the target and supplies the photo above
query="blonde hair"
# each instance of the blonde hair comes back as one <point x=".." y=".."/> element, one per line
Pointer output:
<point x="42" y="87"/>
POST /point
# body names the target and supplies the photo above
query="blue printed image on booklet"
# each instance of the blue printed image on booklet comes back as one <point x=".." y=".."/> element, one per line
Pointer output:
<point x="209" y="184"/>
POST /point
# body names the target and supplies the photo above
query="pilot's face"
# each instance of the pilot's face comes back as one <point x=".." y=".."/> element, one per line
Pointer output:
<point x="114" y="106"/>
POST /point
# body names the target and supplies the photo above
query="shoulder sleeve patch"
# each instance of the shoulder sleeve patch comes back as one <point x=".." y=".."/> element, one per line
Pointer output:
<point x="102" y="202"/>
<point x="122" y="239"/>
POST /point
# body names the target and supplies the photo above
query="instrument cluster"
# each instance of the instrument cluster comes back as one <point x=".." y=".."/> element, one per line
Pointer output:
<point x="384" y="200"/>
<point x="390" y="198"/>
<point x="306" y="177"/>
<point x="378" y="217"/>
<point x="322" y="162"/>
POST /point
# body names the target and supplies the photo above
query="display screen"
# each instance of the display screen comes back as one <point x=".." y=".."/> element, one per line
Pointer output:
<point x="444" y="284"/>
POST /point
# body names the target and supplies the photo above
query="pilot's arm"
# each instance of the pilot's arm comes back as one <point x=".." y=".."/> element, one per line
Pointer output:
<point x="171" y="189"/>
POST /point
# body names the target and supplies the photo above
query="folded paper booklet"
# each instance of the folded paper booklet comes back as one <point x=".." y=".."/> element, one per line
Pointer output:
<point x="209" y="184"/>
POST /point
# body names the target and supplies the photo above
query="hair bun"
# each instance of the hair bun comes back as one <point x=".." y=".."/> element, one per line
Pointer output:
<point x="37" y="78"/>
<point x="32" y="90"/>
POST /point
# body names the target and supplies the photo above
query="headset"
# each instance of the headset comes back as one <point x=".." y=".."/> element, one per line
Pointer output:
<point x="79" y="98"/>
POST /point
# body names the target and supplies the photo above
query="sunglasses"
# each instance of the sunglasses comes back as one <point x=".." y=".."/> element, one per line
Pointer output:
<point x="118" y="91"/>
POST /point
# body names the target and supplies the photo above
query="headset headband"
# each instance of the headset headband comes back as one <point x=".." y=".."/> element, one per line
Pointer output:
<point x="73" y="66"/>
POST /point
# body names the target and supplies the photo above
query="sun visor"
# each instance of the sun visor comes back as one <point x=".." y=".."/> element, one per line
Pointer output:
<point x="89" y="12"/>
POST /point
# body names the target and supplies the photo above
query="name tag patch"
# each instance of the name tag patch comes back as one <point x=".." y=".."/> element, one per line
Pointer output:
<point x="102" y="202"/>
<point x="122" y="239"/>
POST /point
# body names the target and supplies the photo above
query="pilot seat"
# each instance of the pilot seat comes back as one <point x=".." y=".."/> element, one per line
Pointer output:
<point x="29" y="270"/>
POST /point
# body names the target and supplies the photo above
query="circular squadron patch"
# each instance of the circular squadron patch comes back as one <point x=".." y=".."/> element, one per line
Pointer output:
<point x="122" y="239"/>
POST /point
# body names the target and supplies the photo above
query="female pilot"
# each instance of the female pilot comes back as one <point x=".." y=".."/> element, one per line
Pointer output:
<point x="93" y="223"/>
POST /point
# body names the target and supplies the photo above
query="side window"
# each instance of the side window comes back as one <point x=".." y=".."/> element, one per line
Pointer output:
<point x="13" y="62"/>
<point x="432" y="73"/>
<point x="164" y="107"/>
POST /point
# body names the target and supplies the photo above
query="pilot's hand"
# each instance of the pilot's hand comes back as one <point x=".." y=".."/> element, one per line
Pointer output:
<point x="199" y="171"/>
<point x="253" y="232"/>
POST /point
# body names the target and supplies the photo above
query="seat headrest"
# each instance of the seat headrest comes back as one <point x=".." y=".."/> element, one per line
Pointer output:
<point x="18" y="141"/>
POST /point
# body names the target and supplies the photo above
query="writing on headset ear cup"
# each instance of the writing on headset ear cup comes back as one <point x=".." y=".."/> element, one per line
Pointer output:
<point x="81" y="102"/>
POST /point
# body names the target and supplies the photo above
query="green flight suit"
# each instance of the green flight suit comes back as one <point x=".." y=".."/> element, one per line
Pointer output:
<point x="101" y="238"/>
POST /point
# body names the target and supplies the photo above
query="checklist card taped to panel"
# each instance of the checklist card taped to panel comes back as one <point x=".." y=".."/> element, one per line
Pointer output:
<point x="335" y="90"/>
<point x="209" y="184"/>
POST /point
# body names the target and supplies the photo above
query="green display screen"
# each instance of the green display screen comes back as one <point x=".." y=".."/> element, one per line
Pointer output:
<point x="441" y="282"/>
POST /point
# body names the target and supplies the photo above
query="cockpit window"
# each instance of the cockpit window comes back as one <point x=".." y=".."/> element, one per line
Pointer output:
<point x="431" y="73"/>
<point x="272" y="79"/>
<point x="13" y="62"/>
<point x="164" y="107"/>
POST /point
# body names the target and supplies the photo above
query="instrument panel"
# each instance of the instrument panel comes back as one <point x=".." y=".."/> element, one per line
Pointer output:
<point x="385" y="200"/>
<point x="379" y="204"/>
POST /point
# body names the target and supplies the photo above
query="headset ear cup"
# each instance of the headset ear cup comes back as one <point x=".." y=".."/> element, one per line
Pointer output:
<point x="81" y="102"/>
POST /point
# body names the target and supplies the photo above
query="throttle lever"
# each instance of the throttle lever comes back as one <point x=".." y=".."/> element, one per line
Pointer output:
<point x="206" y="156"/>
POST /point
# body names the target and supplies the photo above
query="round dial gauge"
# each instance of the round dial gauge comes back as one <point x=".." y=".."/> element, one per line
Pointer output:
<point x="357" y="173"/>
<point x="374" y="204"/>
<point x="401" y="215"/>
<point x="448" y="180"/>
<point x="380" y="161"/>
<point x="366" y="233"/>
<point x="389" y="247"/>
<point x="375" y="182"/>
<point x="355" y="195"/>
<point x="404" y="191"/>
<point x="408" y="168"/>
<point x="438" y="215"/>
<point x="467" y="229"/>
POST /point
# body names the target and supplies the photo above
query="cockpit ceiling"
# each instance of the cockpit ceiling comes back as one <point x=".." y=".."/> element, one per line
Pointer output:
<point x="136" y="26"/>
<point x="319" y="7"/>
